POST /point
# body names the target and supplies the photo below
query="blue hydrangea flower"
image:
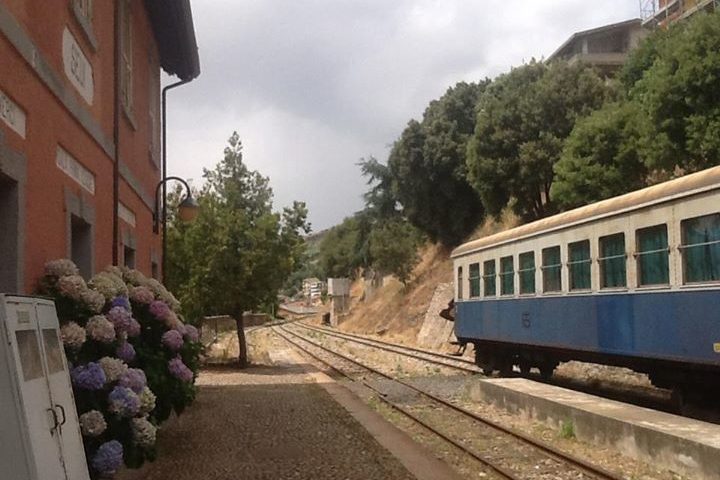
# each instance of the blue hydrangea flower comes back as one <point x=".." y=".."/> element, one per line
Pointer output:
<point x="88" y="377"/>
<point x="121" y="301"/>
<point x="125" y="352"/>
<point x="108" y="458"/>
<point x="123" y="401"/>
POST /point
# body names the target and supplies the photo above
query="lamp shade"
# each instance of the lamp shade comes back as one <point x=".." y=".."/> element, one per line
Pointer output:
<point x="188" y="209"/>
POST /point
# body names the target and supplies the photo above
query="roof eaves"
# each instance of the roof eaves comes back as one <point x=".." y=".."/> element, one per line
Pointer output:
<point x="591" y="31"/>
<point x="172" y="24"/>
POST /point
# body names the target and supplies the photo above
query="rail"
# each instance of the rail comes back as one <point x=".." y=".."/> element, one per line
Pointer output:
<point x="548" y="449"/>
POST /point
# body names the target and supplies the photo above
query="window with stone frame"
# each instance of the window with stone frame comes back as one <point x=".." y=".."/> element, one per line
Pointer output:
<point x="84" y="8"/>
<point x="153" y="110"/>
<point x="126" y="67"/>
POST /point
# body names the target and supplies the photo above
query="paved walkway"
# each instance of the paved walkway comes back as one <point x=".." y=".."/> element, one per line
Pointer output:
<point x="277" y="422"/>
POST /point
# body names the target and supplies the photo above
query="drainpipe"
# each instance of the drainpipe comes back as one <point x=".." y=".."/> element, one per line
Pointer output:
<point x="116" y="139"/>
<point x="163" y="213"/>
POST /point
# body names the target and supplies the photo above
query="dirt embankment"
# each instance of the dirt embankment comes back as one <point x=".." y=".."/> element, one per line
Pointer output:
<point x="398" y="312"/>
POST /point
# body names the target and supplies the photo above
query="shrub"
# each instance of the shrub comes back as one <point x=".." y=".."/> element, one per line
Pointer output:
<point x="132" y="359"/>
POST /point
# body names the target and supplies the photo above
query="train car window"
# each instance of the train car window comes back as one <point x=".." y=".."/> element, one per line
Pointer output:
<point x="474" y="277"/>
<point x="527" y="272"/>
<point x="459" y="283"/>
<point x="652" y="256"/>
<point x="489" y="278"/>
<point x="551" y="269"/>
<point x="507" y="274"/>
<point x="579" y="265"/>
<point x="613" y="261"/>
<point x="701" y="248"/>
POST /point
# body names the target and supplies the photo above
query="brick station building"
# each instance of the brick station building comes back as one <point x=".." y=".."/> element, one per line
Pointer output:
<point x="80" y="138"/>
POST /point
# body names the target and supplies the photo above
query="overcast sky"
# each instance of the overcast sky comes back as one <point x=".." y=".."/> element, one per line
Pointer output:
<point x="312" y="86"/>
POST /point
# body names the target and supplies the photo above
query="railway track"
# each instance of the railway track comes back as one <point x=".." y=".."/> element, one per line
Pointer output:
<point x="503" y="451"/>
<point x="648" y="397"/>
<point x="458" y="363"/>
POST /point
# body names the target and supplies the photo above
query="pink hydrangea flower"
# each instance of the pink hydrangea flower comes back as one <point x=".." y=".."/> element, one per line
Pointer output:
<point x="191" y="333"/>
<point x="159" y="309"/>
<point x="179" y="370"/>
<point x="142" y="295"/>
<point x="120" y="319"/>
<point x="173" y="340"/>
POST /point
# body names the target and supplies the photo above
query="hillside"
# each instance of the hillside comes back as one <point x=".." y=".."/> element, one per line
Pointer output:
<point x="400" y="314"/>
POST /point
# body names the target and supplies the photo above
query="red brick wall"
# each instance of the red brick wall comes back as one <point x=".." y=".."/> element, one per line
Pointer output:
<point x="50" y="123"/>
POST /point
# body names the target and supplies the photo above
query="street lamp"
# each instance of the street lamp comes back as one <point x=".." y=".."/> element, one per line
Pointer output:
<point x="187" y="210"/>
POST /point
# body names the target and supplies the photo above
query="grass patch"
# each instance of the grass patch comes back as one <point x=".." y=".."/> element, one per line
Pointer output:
<point x="567" y="430"/>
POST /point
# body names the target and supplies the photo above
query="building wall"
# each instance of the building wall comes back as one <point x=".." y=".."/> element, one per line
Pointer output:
<point x="665" y="12"/>
<point x="58" y="115"/>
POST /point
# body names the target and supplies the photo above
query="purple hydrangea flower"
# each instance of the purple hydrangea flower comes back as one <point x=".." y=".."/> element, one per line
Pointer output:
<point x="120" y="318"/>
<point x="88" y="377"/>
<point x="125" y="352"/>
<point x="159" y="309"/>
<point x="108" y="458"/>
<point x="123" y="402"/>
<point x="173" y="340"/>
<point x="179" y="370"/>
<point x="191" y="333"/>
<point x="134" y="328"/>
<point x="134" y="379"/>
<point x="121" y="301"/>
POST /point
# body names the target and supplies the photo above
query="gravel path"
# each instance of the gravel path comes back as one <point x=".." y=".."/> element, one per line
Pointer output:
<point x="268" y="422"/>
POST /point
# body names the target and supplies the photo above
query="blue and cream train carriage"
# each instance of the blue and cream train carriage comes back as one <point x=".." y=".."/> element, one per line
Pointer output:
<point x="631" y="281"/>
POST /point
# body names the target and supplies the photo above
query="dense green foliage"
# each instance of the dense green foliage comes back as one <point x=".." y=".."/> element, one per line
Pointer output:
<point x="427" y="167"/>
<point x="680" y="94"/>
<point x="393" y="248"/>
<point x="238" y="253"/>
<point x="667" y="118"/>
<point x="523" y="120"/>
<point x="601" y="158"/>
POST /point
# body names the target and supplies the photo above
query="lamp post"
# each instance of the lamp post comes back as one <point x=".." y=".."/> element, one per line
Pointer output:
<point x="187" y="211"/>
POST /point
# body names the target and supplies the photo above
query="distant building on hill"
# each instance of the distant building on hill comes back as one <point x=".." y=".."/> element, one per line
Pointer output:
<point x="313" y="288"/>
<point x="661" y="13"/>
<point x="605" y="48"/>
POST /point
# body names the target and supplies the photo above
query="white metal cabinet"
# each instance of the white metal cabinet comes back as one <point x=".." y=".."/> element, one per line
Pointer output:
<point x="44" y="437"/>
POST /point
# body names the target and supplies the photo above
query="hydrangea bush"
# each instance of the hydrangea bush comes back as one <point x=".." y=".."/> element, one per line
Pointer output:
<point x="133" y="361"/>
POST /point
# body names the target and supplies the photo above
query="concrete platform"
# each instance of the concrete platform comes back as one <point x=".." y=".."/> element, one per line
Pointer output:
<point x="283" y="420"/>
<point x="687" y="446"/>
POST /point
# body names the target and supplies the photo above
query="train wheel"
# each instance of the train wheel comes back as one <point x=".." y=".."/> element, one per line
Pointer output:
<point x="485" y="361"/>
<point x="546" y="371"/>
<point x="505" y="365"/>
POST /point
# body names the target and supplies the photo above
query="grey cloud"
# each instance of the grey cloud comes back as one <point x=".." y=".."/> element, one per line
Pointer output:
<point x="314" y="85"/>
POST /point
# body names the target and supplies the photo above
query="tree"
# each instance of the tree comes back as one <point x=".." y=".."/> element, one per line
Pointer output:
<point x="393" y="247"/>
<point x="238" y="253"/>
<point x="341" y="251"/>
<point x="523" y="119"/>
<point x="380" y="200"/>
<point x="601" y="157"/>
<point x="679" y="92"/>
<point x="428" y="168"/>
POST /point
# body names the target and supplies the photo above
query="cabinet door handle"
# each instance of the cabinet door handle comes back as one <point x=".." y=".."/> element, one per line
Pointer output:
<point x="64" y="417"/>
<point x="55" y="419"/>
